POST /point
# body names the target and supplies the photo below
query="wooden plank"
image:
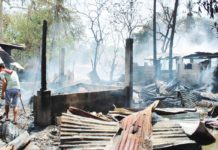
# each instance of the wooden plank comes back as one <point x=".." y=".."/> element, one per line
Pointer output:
<point x="170" y="136"/>
<point x="86" y="120"/>
<point x="88" y="130"/>
<point x="169" y="132"/>
<point x="85" y="142"/>
<point x="166" y="130"/>
<point x="85" y="137"/>
<point x="82" y="148"/>
<point x="167" y="125"/>
<point x="87" y="145"/>
<point x="168" y="111"/>
<point x="83" y="113"/>
<point x="69" y="125"/>
<point x="170" y="140"/>
<point x="86" y="134"/>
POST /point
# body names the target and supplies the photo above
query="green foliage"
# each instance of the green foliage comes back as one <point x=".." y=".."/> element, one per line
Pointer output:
<point x="26" y="27"/>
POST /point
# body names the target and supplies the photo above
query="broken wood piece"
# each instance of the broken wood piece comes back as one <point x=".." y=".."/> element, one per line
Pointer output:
<point x="86" y="134"/>
<point x="84" y="147"/>
<point x="88" y="130"/>
<point x="121" y="111"/>
<point x="76" y="137"/>
<point x="19" y="143"/>
<point x="83" y="113"/>
<point x="168" y="111"/>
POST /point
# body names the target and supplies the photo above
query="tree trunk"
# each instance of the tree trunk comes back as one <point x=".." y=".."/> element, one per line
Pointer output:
<point x="154" y="41"/>
<point x="1" y="20"/>
<point x="172" y="39"/>
<point x="113" y="66"/>
<point x="96" y="56"/>
<point x="112" y="71"/>
<point x="93" y="74"/>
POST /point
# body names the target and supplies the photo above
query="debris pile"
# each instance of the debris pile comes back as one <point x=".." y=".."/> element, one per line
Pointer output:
<point x="170" y="134"/>
<point x="135" y="131"/>
<point x="178" y="120"/>
<point x="82" y="130"/>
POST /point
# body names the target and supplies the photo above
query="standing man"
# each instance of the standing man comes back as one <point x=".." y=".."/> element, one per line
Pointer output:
<point x="10" y="90"/>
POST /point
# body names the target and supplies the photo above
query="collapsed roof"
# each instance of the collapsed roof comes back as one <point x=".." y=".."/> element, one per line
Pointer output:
<point x="201" y="55"/>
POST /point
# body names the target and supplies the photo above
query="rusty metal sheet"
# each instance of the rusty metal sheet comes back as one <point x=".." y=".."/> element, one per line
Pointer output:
<point x="136" y="130"/>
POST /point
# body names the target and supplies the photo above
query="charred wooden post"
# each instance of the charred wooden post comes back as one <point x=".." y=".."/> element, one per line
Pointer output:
<point x="61" y="64"/>
<point x="129" y="68"/>
<point x="42" y="103"/>
<point x="43" y="61"/>
<point x="172" y="40"/>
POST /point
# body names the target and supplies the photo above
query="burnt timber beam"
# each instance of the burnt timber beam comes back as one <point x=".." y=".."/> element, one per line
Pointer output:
<point x="129" y="69"/>
<point x="42" y="103"/>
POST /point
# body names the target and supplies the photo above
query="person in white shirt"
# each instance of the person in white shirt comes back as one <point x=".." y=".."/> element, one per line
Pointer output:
<point x="10" y="90"/>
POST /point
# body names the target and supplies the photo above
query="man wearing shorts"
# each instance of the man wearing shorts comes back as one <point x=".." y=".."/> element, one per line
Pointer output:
<point x="10" y="90"/>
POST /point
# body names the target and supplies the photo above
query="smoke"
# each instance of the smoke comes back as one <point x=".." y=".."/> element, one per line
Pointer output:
<point x="78" y="54"/>
<point x="30" y="79"/>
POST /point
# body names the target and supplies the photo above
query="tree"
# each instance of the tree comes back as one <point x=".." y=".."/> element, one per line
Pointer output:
<point x="189" y="22"/>
<point x="172" y="39"/>
<point x="2" y="16"/>
<point x="116" y="47"/>
<point x="211" y="7"/>
<point x="126" y="16"/>
<point x="94" y="14"/>
<point x="168" y="18"/>
<point x="154" y="41"/>
<point x="25" y="26"/>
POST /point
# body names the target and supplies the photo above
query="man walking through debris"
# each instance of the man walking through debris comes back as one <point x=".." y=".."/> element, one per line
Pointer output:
<point x="10" y="90"/>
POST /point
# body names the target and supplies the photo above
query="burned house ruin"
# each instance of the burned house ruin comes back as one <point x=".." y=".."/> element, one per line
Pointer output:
<point x="47" y="107"/>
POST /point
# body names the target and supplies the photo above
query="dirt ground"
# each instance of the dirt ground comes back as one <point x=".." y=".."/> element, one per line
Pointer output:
<point x="42" y="138"/>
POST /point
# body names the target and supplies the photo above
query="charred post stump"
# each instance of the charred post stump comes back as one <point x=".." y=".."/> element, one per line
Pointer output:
<point x="42" y="104"/>
<point x="129" y="69"/>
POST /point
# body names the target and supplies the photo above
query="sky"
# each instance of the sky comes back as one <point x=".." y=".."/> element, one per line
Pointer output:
<point x="182" y="46"/>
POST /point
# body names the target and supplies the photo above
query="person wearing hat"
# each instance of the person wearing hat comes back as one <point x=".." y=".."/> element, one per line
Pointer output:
<point x="10" y="90"/>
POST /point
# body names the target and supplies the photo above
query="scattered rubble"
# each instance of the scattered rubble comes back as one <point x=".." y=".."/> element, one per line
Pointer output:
<point x="179" y="120"/>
